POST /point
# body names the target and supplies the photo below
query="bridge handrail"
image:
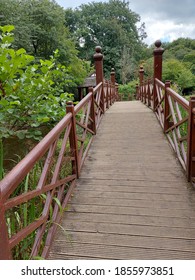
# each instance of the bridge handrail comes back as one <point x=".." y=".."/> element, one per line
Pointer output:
<point x="66" y="145"/>
<point x="17" y="174"/>
<point x="175" y="114"/>
<point x="180" y="99"/>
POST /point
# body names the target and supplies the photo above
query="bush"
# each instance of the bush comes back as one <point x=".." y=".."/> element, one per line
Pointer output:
<point x="128" y="91"/>
<point x="32" y="93"/>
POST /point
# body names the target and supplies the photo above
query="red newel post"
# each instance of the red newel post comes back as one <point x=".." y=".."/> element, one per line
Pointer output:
<point x="191" y="141"/>
<point x="73" y="139"/>
<point x="98" y="58"/>
<point x="5" y="253"/>
<point x="141" y="79"/>
<point x="158" y="54"/>
<point x="166" y="107"/>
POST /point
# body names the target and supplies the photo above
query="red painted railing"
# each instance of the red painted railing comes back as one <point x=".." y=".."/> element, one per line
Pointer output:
<point x="176" y="115"/>
<point x="35" y="193"/>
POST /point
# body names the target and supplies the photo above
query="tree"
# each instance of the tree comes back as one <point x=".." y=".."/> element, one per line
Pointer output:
<point x="112" y="25"/>
<point x="177" y="72"/>
<point x="39" y="28"/>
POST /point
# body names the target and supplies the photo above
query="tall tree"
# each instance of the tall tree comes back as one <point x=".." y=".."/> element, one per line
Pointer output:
<point x="39" y="27"/>
<point x="112" y="25"/>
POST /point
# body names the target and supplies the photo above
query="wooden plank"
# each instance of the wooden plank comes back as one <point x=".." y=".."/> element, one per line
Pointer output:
<point x="139" y="230"/>
<point x="131" y="220"/>
<point x="134" y="195"/>
<point x="89" y="251"/>
<point x="132" y="189"/>
<point x="180" y="185"/>
<point x="126" y="241"/>
<point x="125" y="210"/>
<point x="133" y="203"/>
<point x="147" y="177"/>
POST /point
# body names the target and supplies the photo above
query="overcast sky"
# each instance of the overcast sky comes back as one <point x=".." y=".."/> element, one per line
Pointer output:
<point x="165" y="19"/>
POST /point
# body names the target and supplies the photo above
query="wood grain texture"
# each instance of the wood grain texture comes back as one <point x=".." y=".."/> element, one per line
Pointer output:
<point x="132" y="200"/>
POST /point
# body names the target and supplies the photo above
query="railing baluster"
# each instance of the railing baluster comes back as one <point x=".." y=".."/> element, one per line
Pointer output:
<point x="92" y="113"/>
<point x="191" y="141"/>
<point x="73" y="139"/>
<point x="166" y="107"/>
<point x="5" y="253"/>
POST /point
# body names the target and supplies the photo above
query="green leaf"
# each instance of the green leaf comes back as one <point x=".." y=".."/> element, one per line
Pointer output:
<point x="7" y="28"/>
<point x="10" y="111"/>
<point x="15" y="103"/>
<point x="44" y="119"/>
<point x="20" y="134"/>
<point x="4" y="102"/>
<point x="20" y="51"/>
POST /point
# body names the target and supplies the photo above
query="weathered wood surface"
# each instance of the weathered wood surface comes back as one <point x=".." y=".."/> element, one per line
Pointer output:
<point x="132" y="200"/>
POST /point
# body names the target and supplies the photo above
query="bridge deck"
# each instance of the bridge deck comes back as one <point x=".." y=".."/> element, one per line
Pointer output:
<point x="132" y="200"/>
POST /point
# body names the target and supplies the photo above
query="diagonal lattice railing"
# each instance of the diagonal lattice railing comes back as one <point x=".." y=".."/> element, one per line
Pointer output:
<point x="35" y="193"/>
<point x="176" y="116"/>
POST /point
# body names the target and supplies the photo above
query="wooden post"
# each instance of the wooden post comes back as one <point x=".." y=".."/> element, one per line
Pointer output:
<point x="149" y="93"/>
<point x="158" y="54"/>
<point x="166" y="107"/>
<point x="191" y="141"/>
<point x="137" y="92"/>
<point x="141" y="79"/>
<point x="5" y="253"/>
<point x="108" y="92"/>
<point x="98" y="58"/>
<point x="145" y="92"/>
<point x="113" y="88"/>
<point x="113" y="76"/>
<point x="92" y="111"/>
<point x="73" y="139"/>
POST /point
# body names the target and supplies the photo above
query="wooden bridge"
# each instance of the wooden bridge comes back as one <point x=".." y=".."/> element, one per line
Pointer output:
<point x="134" y="195"/>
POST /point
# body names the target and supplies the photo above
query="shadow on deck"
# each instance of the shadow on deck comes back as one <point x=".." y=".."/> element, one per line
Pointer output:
<point x="132" y="200"/>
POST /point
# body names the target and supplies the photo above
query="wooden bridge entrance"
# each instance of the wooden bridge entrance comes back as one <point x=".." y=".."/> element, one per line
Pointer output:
<point x="132" y="200"/>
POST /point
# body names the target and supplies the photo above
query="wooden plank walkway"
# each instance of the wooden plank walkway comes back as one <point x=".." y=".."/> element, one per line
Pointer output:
<point x="132" y="200"/>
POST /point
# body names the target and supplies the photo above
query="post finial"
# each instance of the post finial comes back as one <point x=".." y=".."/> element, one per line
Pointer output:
<point x="158" y="43"/>
<point x="98" y="49"/>
<point x="112" y="71"/>
<point x="98" y="53"/>
<point x="69" y="103"/>
<point x="158" y="49"/>
<point x="141" y="69"/>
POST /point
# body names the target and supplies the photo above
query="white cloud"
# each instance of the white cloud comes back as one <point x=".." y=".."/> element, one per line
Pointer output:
<point x="167" y="30"/>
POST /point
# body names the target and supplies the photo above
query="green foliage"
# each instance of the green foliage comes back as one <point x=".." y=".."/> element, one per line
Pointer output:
<point x="113" y="26"/>
<point x="31" y="92"/>
<point x="39" y="28"/>
<point x="128" y="91"/>
<point x="177" y="72"/>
